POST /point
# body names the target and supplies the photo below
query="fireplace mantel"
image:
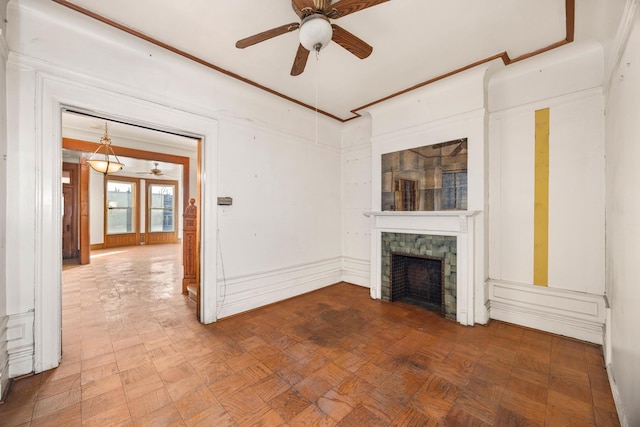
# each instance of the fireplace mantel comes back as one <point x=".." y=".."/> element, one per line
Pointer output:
<point x="461" y="224"/>
<point x="438" y="222"/>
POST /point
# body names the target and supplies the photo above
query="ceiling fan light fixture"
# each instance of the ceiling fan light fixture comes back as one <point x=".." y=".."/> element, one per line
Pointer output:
<point x="315" y="32"/>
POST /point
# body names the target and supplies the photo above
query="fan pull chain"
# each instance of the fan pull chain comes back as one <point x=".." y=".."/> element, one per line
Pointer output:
<point x="316" y="78"/>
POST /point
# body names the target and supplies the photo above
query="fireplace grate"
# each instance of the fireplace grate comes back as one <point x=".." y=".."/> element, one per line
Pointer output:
<point x="418" y="280"/>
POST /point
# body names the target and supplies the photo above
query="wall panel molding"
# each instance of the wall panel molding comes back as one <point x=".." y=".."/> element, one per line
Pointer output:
<point x="356" y="271"/>
<point x="4" y="357"/>
<point x="572" y="314"/>
<point x="20" y="343"/>
<point x="247" y="292"/>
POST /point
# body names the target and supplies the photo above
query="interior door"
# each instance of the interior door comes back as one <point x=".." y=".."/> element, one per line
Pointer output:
<point x="67" y="223"/>
<point x="69" y="211"/>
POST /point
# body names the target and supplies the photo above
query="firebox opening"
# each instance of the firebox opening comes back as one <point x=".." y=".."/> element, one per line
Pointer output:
<point x="418" y="280"/>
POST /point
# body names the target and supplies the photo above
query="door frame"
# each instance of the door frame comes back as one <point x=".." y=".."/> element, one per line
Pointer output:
<point x="53" y="93"/>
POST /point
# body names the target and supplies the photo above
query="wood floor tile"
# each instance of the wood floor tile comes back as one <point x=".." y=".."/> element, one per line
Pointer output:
<point x="312" y="387"/>
<point x="167" y="416"/>
<point x="361" y="416"/>
<point x="336" y="405"/>
<point x="52" y="387"/>
<point x="312" y="416"/>
<point x="356" y="388"/>
<point x="104" y="385"/>
<point x="289" y="404"/>
<point x="68" y="417"/>
<point x="270" y="387"/>
<point x="246" y="407"/>
<point x="227" y="386"/>
<point x="99" y="372"/>
<point x="185" y="386"/>
<point x="58" y="402"/>
<point x="97" y="361"/>
<point x="102" y="403"/>
<point x="481" y="399"/>
<point x="459" y="417"/>
<point x="150" y="402"/>
<point x="140" y="387"/>
<point x="531" y="390"/>
<point x="17" y="415"/>
<point x="410" y="417"/>
<point x="523" y="407"/>
<point x="605" y="418"/>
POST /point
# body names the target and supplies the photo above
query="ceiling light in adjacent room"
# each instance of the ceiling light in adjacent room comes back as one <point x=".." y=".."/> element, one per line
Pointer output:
<point x="101" y="159"/>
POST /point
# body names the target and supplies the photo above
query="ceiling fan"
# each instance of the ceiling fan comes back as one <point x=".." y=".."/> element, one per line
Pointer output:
<point x="154" y="171"/>
<point x="316" y="29"/>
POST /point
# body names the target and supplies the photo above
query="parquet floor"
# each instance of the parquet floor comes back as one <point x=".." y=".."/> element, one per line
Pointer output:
<point x="134" y="355"/>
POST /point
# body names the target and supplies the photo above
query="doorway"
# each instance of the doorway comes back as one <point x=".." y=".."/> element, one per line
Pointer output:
<point x="57" y="95"/>
<point x="141" y="204"/>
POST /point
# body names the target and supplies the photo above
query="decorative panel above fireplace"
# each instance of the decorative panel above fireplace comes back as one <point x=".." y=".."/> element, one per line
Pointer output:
<point x="428" y="178"/>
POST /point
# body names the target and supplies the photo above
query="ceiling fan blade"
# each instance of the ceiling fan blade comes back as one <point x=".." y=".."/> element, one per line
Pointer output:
<point x="303" y="7"/>
<point x="300" y="61"/>
<point x="350" y="42"/>
<point x="266" y="35"/>
<point x="346" y="7"/>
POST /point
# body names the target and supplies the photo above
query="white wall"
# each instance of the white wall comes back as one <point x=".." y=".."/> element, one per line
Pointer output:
<point x="623" y="228"/>
<point x="4" y="357"/>
<point x="280" y="238"/>
<point x="284" y="223"/>
<point x="567" y="81"/>
<point x="356" y="200"/>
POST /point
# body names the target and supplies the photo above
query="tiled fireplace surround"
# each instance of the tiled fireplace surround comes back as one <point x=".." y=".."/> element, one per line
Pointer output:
<point x="422" y="229"/>
<point x="438" y="247"/>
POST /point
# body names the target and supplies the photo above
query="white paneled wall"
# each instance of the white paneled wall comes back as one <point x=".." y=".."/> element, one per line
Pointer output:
<point x="576" y="193"/>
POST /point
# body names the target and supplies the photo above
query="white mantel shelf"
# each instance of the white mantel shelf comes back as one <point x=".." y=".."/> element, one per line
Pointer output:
<point x="421" y="213"/>
<point x="436" y="222"/>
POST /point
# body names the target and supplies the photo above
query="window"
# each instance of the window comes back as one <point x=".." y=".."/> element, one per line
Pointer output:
<point x="120" y="207"/>
<point x="454" y="190"/>
<point x="161" y="207"/>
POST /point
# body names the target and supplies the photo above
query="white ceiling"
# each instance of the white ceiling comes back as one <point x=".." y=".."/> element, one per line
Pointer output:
<point x="413" y="41"/>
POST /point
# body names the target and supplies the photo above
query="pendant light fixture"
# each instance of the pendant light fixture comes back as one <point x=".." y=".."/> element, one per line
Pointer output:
<point x="101" y="159"/>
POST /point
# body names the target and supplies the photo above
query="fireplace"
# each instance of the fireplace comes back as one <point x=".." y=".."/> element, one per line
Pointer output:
<point x="418" y="280"/>
<point x="450" y="235"/>
<point x="439" y="251"/>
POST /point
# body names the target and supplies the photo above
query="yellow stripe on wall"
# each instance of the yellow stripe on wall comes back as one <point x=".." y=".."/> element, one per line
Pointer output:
<point x="541" y="201"/>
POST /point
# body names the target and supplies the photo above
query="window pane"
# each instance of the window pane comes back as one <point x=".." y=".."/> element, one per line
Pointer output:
<point x="161" y="214"/>
<point x="448" y="191"/>
<point x="461" y="190"/>
<point x="454" y="190"/>
<point x="120" y="207"/>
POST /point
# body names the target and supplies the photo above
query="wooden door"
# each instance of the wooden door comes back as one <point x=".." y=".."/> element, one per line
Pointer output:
<point x="69" y="211"/>
<point x="68" y="247"/>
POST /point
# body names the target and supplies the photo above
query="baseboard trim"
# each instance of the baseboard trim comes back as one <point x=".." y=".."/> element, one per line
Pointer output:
<point x="243" y="293"/>
<point x="4" y="358"/>
<point x="622" y="416"/>
<point x="356" y="271"/>
<point x="20" y="343"/>
<point x="572" y="314"/>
